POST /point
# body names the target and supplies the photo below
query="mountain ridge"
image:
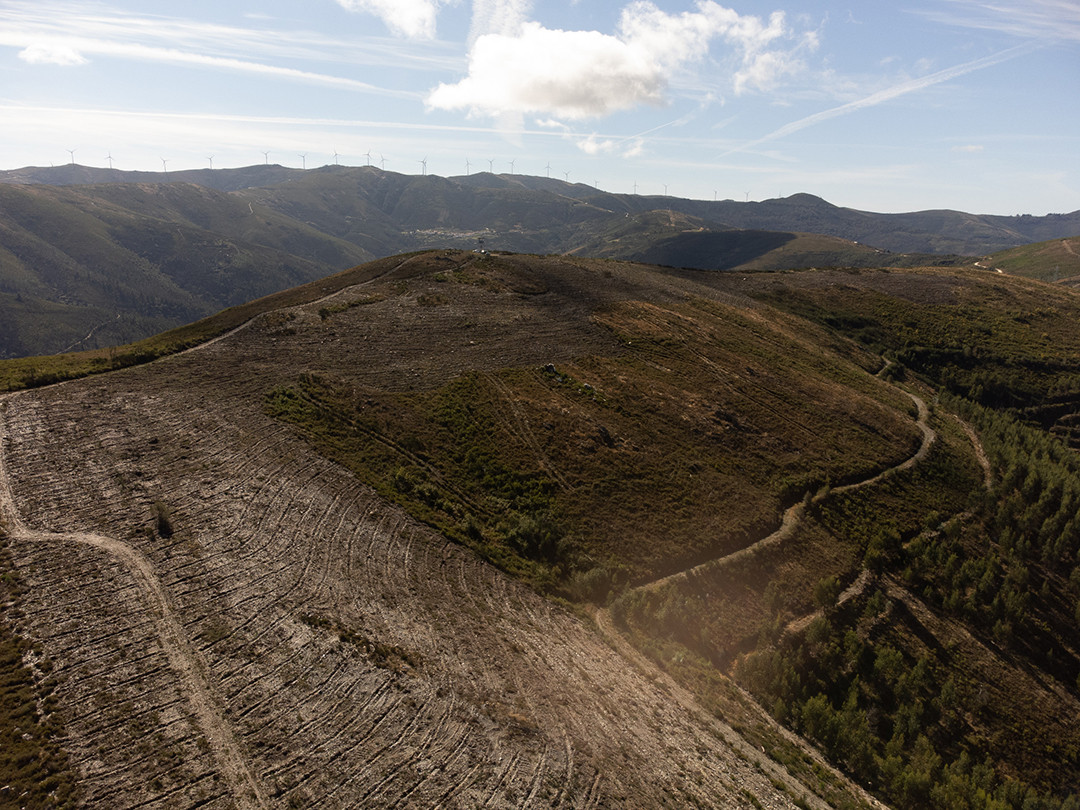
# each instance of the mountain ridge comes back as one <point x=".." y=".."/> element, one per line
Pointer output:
<point x="98" y="263"/>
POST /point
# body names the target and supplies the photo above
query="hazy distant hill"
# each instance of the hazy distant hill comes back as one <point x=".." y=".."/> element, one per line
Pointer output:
<point x="93" y="257"/>
<point x="412" y="201"/>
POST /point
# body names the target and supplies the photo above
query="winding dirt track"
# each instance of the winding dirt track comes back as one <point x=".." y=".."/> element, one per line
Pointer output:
<point x="297" y="641"/>
<point x="788" y="525"/>
<point x="794" y="514"/>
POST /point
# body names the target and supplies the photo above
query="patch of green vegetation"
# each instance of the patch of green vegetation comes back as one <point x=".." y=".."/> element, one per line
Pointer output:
<point x="1052" y="261"/>
<point x="908" y="712"/>
<point x="1002" y="343"/>
<point x="439" y="456"/>
<point x="34" y="769"/>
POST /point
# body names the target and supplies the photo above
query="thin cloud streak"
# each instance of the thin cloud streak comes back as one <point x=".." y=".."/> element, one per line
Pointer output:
<point x="25" y="112"/>
<point x="1045" y="20"/>
<point x="34" y="51"/>
<point x="23" y="25"/>
<point x="888" y="94"/>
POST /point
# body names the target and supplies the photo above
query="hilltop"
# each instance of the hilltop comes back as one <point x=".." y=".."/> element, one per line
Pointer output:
<point x="455" y="528"/>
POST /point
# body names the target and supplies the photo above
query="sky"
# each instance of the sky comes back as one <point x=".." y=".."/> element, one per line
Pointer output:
<point x="881" y="105"/>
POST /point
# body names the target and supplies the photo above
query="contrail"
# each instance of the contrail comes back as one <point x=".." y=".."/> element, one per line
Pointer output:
<point x="889" y="93"/>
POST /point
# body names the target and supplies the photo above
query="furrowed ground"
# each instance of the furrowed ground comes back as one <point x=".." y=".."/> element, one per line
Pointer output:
<point x="312" y="562"/>
<point x="234" y="620"/>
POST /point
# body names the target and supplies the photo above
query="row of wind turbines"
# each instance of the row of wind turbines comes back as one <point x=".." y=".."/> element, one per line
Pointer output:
<point x="382" y="165"/>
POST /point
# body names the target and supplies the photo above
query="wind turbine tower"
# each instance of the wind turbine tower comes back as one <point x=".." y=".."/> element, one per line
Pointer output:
<point x="567" y="176"/>
<point x="109" y="158"/>
<point x="72" y="153"/>
<point x="467" y="167"/>
<point x="511" y="168"/>
<point x="382" y="162"/>
<point x="303" y="159"/>
<point x="367" y="155"/>
<point x="164" y="166"/>
<point x="491" y="166"/>
<point x="423" y="167"/>
<point x="211" y="159"/>
<point x="266" y="158"/>
<point x="336" y="156"/>
<point x="548" y="169"/>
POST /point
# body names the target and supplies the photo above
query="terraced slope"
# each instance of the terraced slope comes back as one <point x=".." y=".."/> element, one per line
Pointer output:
<point x="235" y="621"/>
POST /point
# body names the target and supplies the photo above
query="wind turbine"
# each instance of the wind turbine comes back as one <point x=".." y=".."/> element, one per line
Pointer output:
<point x="635" y="186"/>
<point x="467" y="167"/>
<point x="367" y="154"/>
<point x="714" y="195"/>
<point x="548" y="169"/>
<point x="665" y="189"/>
<point x="336" y="156"/>
<point x="567" y="175"/>
<point x="747" y="197"/>
<point x="423" y="166"/>
<point x="491" y="166"/>
<point x="164" y="165"/>
<point x="211" y="159"/>
<point x="382" y="161"/>
<point x="72" y="153"/>
<point x="511" y="168"/>
<point x="303" y="158"/>
<point x="109" y="158"/>
<point x="266" y="158"/>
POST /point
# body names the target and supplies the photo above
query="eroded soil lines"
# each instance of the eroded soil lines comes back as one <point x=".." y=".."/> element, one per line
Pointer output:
<point x="182" y="659"/>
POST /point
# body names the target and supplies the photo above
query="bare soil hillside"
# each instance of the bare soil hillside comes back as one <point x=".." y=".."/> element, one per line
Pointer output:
<point x="233" y="620"/>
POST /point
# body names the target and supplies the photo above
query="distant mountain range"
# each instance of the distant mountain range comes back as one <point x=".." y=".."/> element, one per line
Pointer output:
<point x="93" y="257"/>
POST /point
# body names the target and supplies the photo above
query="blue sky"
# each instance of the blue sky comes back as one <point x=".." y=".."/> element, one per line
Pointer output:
<point x="884" y="106"/>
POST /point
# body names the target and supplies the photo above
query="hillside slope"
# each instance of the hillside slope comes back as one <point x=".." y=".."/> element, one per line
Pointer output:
<point x="348" y="553"/>
<point x="229" y="617"/>
<point x="104" y="265"/>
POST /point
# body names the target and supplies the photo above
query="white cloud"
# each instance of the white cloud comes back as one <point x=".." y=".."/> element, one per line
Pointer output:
<point x="525" y="68"/>
<point x="971" y="148"/>
<point x="408" y="18"/>
<point x="51" y="53"/>
<point x="624" y="147"/>
<point x="498" y="17"/>
<point x="593" y="146"/>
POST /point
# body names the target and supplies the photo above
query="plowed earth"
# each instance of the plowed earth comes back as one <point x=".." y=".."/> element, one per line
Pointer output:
<point x="287" y="638"/>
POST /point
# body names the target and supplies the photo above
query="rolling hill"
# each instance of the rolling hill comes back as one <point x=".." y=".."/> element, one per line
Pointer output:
<point x="1057" y="261"/>
<point x="460" y="529"/>
<point x="97" y="257"/>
